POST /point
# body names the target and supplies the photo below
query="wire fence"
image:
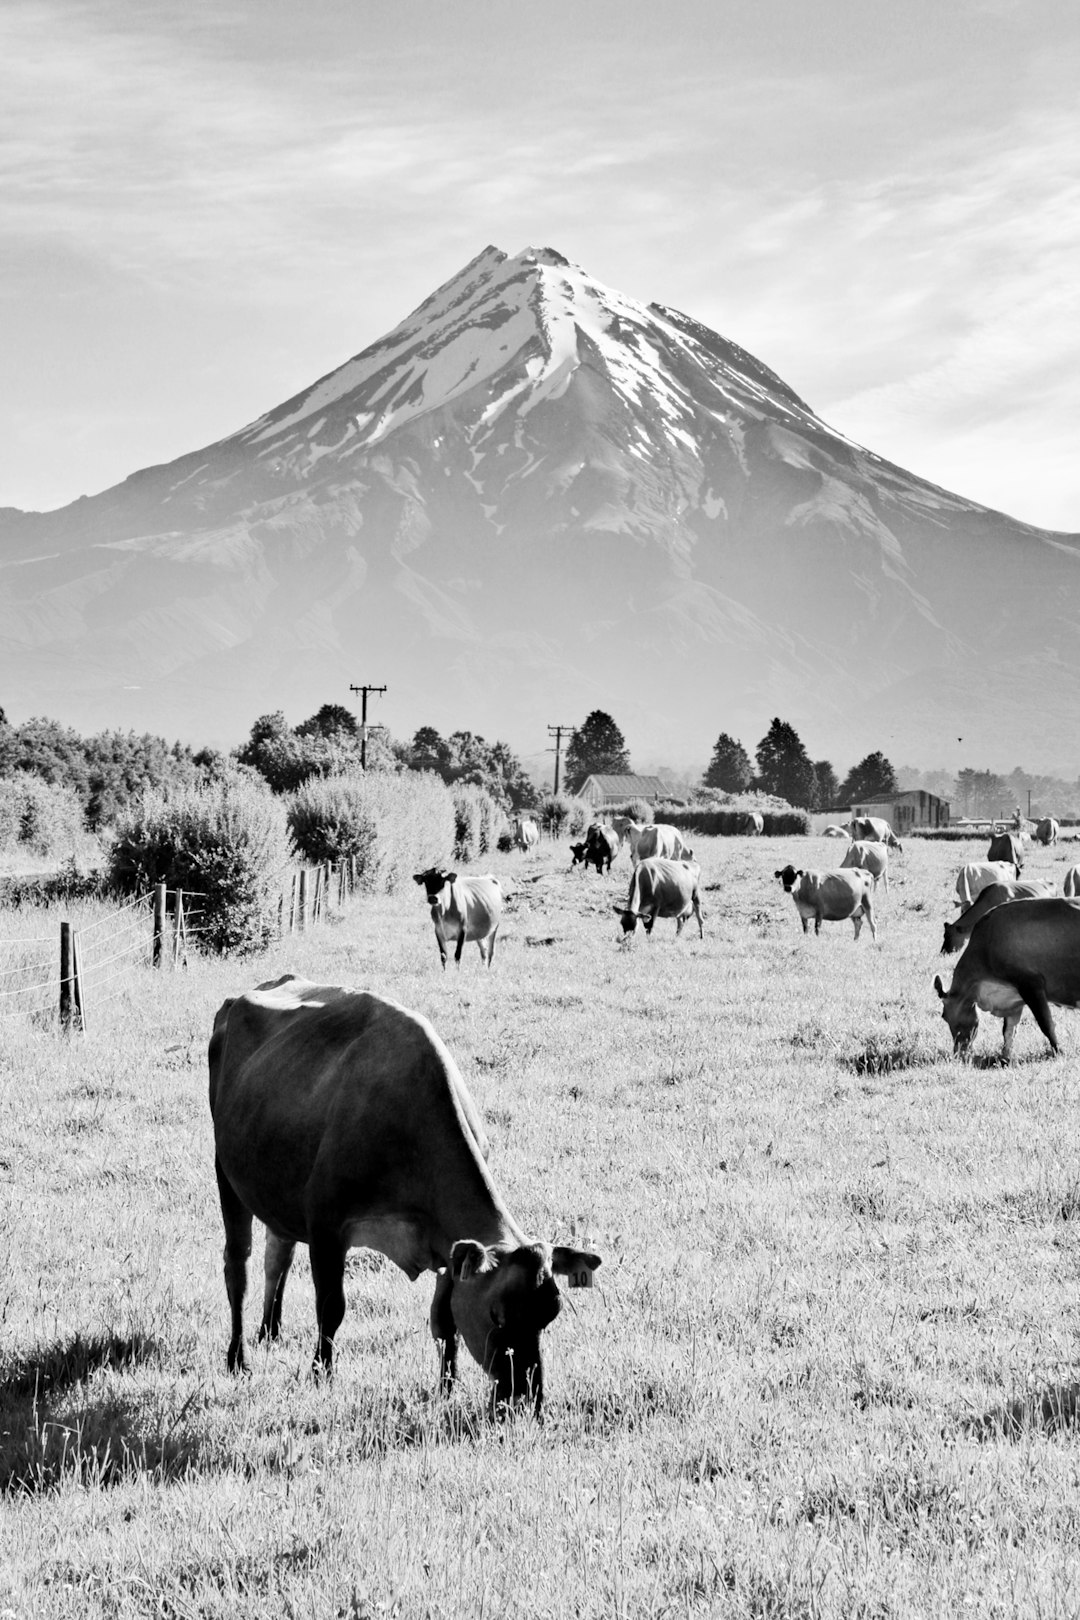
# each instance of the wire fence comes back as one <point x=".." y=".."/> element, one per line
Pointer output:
<point x="65" y="983"/>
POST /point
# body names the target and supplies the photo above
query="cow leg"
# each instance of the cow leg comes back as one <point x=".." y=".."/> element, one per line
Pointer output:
<point x="277" y="1258"/>
<point x="440" y="940"/>
<point x="1034" y="994"/>
<point x="700" y="915"/>
<point x="460" y="947"/>
<point x="443" y="1330"/>
<point x="679" y="925"/>
<point x="491" y="947"/>
<point x="328" y="1274"/>
<point x="237" y="1221"/>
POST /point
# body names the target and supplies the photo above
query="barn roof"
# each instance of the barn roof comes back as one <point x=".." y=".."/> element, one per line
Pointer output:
<point x="626" y="787"/>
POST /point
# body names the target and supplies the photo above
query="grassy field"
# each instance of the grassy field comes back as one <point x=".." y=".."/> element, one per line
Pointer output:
<point x="828" y="1368"/>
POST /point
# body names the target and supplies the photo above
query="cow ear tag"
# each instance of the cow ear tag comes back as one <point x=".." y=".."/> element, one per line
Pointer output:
<point x="580" y="1279"/>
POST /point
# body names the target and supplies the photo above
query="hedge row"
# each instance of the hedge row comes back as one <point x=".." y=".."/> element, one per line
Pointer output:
<point x="479" y="822"/>
<point x="731" y="823"/>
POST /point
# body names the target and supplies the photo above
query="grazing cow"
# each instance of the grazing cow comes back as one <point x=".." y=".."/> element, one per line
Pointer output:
<point x="831" y="896"/>
<point x="601" y="846"/>
<point x="663" y="842"/>
<point x="341" y="1121"/>
<point x="873" y="830"/>
<point x="833" y="831"/>
<point x="1006" y="847"/>
<point x="632" y="831"/>
<point x="1025" y="954"/>
<point x="1046" y="832"/>
<point x="976" y="876"/>
<point x="526" y="833"/>
<point x="872" y="858"/>
<point x="752" y="823"/>
<point x="663" y="888"/>
<point x="1072" y="883"/>
<point x="463" y="908"/>
<point x="998" y="894"/>
<point x="578" y="852"/>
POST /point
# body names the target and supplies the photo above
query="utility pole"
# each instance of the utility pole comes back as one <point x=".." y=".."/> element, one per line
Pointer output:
<point x="364" y="690"/>
<point x="557" y="733"/>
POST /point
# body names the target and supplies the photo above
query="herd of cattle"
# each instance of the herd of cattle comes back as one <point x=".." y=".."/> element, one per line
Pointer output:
<point x="341" y="1120"/>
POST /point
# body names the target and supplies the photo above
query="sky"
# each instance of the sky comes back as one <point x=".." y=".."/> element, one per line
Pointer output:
<point x="205" y="206"/>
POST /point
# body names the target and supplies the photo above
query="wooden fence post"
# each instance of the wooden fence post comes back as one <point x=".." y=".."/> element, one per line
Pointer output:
<point x="65" y="976"/>
<point x="301" y="907"/>
<point x="317" y="897"/>
<point x="159" y="924"/>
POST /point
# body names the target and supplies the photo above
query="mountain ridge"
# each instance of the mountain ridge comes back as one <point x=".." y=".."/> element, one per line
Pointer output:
<point x="529" y="483"/>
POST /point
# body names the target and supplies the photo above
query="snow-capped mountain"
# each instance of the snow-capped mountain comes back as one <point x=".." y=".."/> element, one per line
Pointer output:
<point x="533" y="498"/>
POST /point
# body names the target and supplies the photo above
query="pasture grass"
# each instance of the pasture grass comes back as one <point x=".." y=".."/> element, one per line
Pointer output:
<point x="828" y="1368"/>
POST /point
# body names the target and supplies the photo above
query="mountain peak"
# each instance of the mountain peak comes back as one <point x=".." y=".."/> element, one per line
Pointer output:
<point x="531" y="484"/>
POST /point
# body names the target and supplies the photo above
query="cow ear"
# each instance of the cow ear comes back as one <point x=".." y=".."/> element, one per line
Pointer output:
<point x="418" y="877"/>
<point x="938" y="986"/>
<point x="467" y="1258"/>
<point x="449" y="877"/>
<point x="618" y="910"/>
<point x="576" y="1265"/>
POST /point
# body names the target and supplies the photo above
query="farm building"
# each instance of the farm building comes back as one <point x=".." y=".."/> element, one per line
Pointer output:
<point x="600" y="791"/>
<point x="912" y="808"/>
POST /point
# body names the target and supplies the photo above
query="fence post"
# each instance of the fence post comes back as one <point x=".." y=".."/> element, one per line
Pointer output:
<point x="65" y="975"/>
<point x="159" y="924"/>
<point x="317" y="897"/>
<point x="327" y="873"/>
<point x="301" y="907"/>
<point x="341" y="879"/>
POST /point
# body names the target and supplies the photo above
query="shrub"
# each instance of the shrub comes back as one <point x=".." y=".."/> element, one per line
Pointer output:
<point x="479" y="821"/>
<point x="392" y="824"/>
<point x="227" y="843"/>
<point x="559" y="815"/>
<point x="45" y="817"/>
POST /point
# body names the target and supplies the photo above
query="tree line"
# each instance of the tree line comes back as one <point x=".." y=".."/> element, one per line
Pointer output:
<point x="110" y="770"/>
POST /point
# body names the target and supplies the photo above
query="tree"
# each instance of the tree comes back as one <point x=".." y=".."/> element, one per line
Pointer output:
<point x="329" y="721"/>
<point x="730" y="767"/>
<point x="826" y="786"/>
<point x="784" y="767"/>
<point x="596" y="748"/>
<point x="466" y="758"/>
<point x="868" y="779"/>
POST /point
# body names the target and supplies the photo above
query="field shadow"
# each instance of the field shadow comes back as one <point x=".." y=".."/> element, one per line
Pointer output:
<point x="1051" y="1411"/>
<point x="888" y="1055"/>
<point x="47" y="1434"/>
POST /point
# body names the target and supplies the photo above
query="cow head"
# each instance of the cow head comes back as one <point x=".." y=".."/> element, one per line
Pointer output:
<point x="960" y="1013"/>
<point x="578" y="852"/>
<point x="501" y="1302"/>
<point x="434" y="880"/>
<point x="788" y="876"/>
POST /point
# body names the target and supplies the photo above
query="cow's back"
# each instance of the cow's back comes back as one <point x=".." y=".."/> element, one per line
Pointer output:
<point x="1028" y="938"/>
<point x="316" y="1086"/>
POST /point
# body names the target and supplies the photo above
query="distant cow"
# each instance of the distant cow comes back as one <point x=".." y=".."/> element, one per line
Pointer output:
<point x="752" y="823"/>
<point x="663" y="888"/>
<point x="831" y="897"/>
<point x="630" y="833"/>
<point x="598" y="848"/>
<point x="833" y="831"/>
<point x="976" y="876"/>
<point x="664" y="842"/>
<point x="1046" y="832"/>
<point x="601" y="846"/>
<point x="872" y="858"/>
<point x="998" y="894"/>
<point x="873" y="830"/>
<point x="1006" y="846"/>
<point x="526" y="833"/>
<point x="340" y="1121"/>
<point x="1021" y="955"/>
<point x="1072" y="883"/>
<point x="463" y="908"/>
